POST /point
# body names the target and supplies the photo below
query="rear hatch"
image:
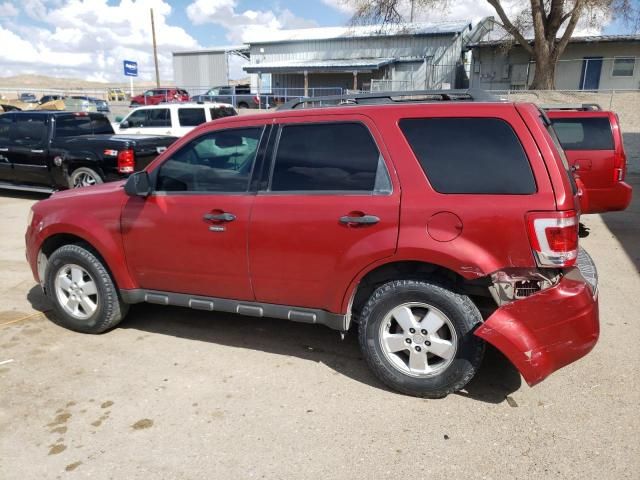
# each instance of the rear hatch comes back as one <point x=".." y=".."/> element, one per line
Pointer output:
<point x="593" y="145"/>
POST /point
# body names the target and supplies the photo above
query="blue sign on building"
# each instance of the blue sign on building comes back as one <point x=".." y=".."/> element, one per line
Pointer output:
<point x="130" y="68"/>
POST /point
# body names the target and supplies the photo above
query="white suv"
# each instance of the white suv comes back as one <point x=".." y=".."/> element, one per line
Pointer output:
<point x="176" y="119"/>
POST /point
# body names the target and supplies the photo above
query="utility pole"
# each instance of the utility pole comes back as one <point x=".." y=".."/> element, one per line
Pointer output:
<point x="155" y="49"/>
<point x="412" y="5"/>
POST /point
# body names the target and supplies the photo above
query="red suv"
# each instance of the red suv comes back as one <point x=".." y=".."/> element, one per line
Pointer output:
<point x="160" y="95"/>
<point x="435" y="226"/>
<point x="592" y="141"/>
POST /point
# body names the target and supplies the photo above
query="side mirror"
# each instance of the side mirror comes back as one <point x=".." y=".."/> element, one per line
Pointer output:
<point x="138" y="185"/>
<point x="119" y="118"/>
<point x="124" y="125"/>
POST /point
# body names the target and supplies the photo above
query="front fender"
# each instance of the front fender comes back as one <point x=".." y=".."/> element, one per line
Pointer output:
<point x="92" y="214"/>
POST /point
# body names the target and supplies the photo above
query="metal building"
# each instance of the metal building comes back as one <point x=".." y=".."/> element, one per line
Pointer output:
<point x="588" y="63"/>
<point x="200" y="70"/>
<point x="393" y="57"/>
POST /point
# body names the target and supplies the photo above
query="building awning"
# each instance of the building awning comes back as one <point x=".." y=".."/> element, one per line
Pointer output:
<point x="310" y="66"/>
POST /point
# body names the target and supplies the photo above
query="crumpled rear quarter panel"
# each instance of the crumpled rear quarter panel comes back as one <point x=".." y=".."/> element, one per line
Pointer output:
<point x="543" y="333"/>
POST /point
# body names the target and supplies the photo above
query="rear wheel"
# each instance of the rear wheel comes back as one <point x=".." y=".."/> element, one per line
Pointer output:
<point x="84" y="295"/>
<point x="243" y="105"/>
<point x="84" y="177"/>
<point x="417" y="337"/>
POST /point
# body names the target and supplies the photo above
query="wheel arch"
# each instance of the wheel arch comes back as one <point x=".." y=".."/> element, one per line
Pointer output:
<point x="363" y="286"/>
<point x="108" y="252"/>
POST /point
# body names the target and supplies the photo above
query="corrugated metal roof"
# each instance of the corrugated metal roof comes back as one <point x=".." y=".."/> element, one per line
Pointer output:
<point x="229" y="48"/>
<point x="586" y="39"/>
<point x="348" y="64"/>
<point x="328" y="33"/>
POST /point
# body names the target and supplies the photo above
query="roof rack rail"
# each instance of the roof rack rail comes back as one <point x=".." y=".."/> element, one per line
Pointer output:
<point x="583" y="107"/>
<point x="391" y="98"/>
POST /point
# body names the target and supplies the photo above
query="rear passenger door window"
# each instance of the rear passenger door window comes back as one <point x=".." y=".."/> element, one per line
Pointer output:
<point x="331" y="157"/>
<point x="72" y="125"/>
<point x="470" y="155"/>
<point x="191" y="117"/>
<point x="159" y="117"/>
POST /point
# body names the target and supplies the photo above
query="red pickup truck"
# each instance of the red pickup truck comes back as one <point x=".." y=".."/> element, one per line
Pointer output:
<point x="592" y="141"/>
<point x="433" y="226"/>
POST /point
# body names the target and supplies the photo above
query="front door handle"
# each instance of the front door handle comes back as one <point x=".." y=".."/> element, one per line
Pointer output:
<point x="360" y="220"/>
<point x="220" y="217"/>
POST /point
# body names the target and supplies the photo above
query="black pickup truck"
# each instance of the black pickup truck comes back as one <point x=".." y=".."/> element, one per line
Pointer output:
<point x="48" y="150"/>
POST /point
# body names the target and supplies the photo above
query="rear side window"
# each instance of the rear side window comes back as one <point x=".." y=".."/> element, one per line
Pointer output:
<point x="584" y="133"/>
<point x="222" y="112"/>
<point x="191" y="117"/>
<point x="470" y="155"/>
<point x="328" y="157"/>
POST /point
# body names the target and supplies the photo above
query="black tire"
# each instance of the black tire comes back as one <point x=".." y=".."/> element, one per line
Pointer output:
<point x="243" y="105"/>
<point x="78" y="176"/>
<point x="110" y="308"/>
<point x="460" y="311"/>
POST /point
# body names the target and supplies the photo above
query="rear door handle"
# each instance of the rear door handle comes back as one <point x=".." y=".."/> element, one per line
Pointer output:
<point x="37" y="151"/>
<point x="4" y="149"/>
<point x="220" y="217"/>
<point x="363" y="220"/>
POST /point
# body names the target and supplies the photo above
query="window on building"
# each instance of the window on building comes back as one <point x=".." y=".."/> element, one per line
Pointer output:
<point x="623" y="66"/>
<point x="329" y="157"/>
<point x="470" y="155"/>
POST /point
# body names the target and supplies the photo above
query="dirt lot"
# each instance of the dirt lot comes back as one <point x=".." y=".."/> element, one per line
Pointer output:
<point x="179" y="394"/>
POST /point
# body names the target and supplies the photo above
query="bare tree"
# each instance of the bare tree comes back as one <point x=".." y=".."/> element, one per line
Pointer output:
<point x="551" y="23"/>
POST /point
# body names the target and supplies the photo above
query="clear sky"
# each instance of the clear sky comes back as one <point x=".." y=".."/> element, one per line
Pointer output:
<point x="89" y="39"/>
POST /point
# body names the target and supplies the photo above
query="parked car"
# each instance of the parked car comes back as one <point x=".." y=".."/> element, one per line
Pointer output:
<point x="239" y="96"/>
<point x="160" y="95"/>
<point x="27" y="98"/>
<point x="592" y="141"/>
<point x="101" y="105"/>
<point x="116" y="95"/>
<point x="48" y="150"/>
<point x="50" y="98"/>
<point x="172" y="119"/>
<point x="297" y="214"/>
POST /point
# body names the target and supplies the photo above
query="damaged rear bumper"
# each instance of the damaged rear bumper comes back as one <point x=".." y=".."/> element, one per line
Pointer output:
<point x="546" y="331"/>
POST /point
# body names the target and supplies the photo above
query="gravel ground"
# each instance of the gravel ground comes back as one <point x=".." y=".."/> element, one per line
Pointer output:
<point x="180" y="394"/>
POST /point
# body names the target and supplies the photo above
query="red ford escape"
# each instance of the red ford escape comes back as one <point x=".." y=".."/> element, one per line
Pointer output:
<point x="435" y="226"/>
<point x="592" y="141"/>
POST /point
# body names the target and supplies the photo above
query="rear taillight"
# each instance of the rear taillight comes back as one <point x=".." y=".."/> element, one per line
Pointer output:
<point x="619" y="166"/>
<point x="554" y="237"/>
<point x="126" y="161"/>
<point x="256" y="100"/>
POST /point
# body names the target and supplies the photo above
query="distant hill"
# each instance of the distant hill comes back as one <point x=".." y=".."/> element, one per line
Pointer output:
<point x="44" y="82"/>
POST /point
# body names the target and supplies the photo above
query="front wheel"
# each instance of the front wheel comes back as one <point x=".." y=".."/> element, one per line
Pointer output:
<point x="83" y="293"/>
<point x="84" y="177"/>
<point x="417" y="337"/>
